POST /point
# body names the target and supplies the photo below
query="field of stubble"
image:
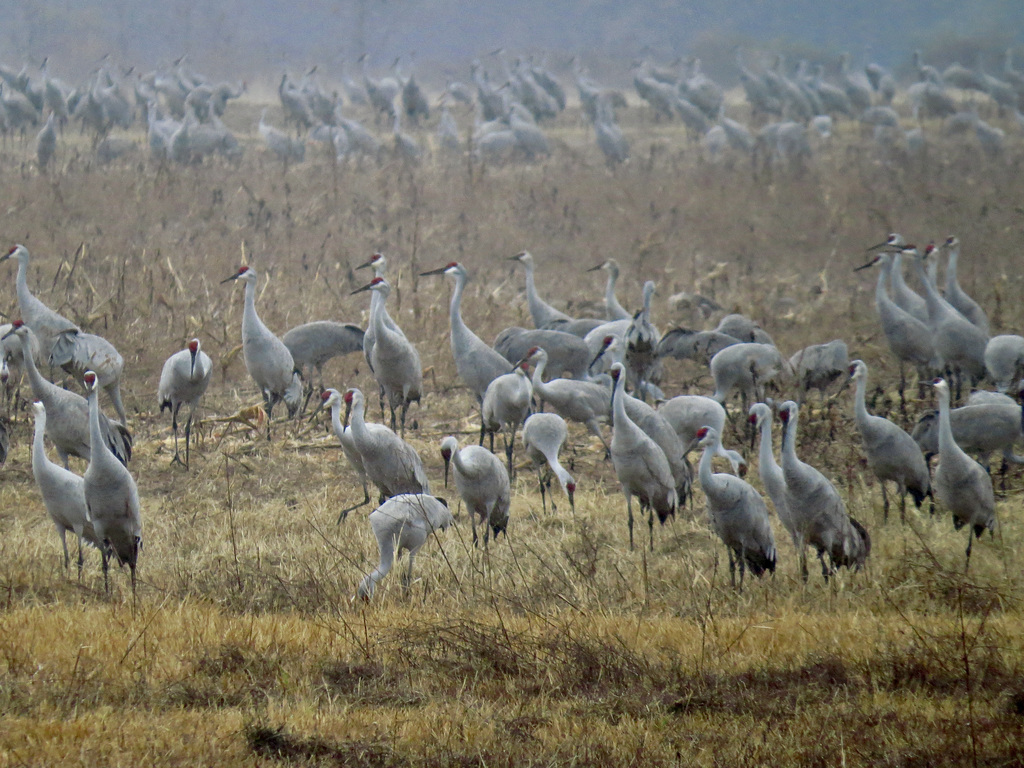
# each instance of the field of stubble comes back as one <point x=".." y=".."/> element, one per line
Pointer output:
<point x="558" y="645"/>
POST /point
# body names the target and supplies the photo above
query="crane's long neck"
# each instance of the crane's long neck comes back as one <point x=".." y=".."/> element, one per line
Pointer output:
<point x="860" y="410"/>
<point x="358" y="424"/>
<point x="532" y="299"/>
<point x="457" y="460"/>
<point x="947" y="444"/>
<point x="336" y="425"/>
<point x="387" y="559"/>
<point x="765" y="457"/>
<point x="951" y="278"/>
<point x="707" y="480"/>
<point x="538" y="375"/>
<point x="881" y="296"/>
<point x="931" y="295"/>
<point x="613" y="307"/>
<point x="96" y="442"/>
<point x="250" y="320"/>
<point x="25" y="297"/>
<point x="458" y="328"/>
<point x="896" y="280"/>
<point x="38" y="447"/>
<point x="621" y="419"/>
<point x="789" y="441"/>
<point x="40" y="386"/>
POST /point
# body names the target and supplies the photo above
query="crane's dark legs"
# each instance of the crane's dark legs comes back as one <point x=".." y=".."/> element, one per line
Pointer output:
<point x="188" y="440"/>
<point x="629" y="512"/>
<point x="81" y="558"/>
<point x="366" y="500"/>
<point x="650" y="523"/>
<point x="732" y="569"/>
<point x="540" y="478"/>
<point x="885" y="503"/>
<point x="106" y="571"/>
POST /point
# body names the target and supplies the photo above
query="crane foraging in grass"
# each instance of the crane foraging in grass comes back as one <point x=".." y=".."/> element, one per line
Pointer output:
<point x="544" y="434"/>
<point x="483" y="484"/>
<point x="183" y="381"/>
<point x="507" y="403"/>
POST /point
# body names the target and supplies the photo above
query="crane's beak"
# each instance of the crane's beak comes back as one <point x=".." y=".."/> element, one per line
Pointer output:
<point x="192" y="369"/>
<point x="348" y="412"/>
<point x="319" y="407"/>
<point x="229" y="279"/>
<point x="438" y="271"/>
<point x="365" y="264"/>
<point x="366" y="287"/>
<point x="447" y="461"/>
<point x="865" y="266"/>
<point x="594" y="269"/>
<point x="879" y="245"/>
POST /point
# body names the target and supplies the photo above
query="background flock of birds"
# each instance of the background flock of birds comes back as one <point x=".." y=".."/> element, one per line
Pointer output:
<point x="587" y="370"/>
<point x="788" y="111"/>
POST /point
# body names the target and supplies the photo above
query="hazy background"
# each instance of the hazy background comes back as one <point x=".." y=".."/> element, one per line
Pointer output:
<point x="252" y="38"/>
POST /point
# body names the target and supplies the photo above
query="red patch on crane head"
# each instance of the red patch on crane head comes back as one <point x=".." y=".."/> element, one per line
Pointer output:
<point x="451" y="264"/>
<point x="348" y="397"/>
<point x="193" y="346"/>
<point x="570" y="487"/>
<point x="929" y="249"/>
<point x="615" y="372"/>
<point x="446" y="453"/>
<point x="702" y="433"/>
<point x="853" y="369"/>
<point x="376" y="257"/>
<point x="784" y="415"/>
<point x="89" y="378"/>
<point x="951" y="239"/>
<point x="892" y="238"/>
<point x="533" y="351"/>
<point x="12" y="250"/>
<point x="17" y="324"/>
<point x="608" y="341"/>
<point x="325" y="396"/>
<point x="936" y="381"/>
<point x="752" y="418"/>
<point x="242" y="270"/>
<point x="377" y="281"/>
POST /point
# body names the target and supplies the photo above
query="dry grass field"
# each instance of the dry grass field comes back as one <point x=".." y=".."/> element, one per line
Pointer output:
<point x="558" y="645"/>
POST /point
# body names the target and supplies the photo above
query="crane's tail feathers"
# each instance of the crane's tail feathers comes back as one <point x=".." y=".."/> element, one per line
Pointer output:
<point x="917" y="495"/>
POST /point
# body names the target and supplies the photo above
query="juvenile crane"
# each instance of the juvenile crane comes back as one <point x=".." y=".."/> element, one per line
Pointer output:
<point x="183" y="381"/>
<point x="63" y="494"/>
<point x="403" y="522"/>
<point x="483" y="484"/>
<point x="111" y="496"/>
<point x="544" y="434"/>
<point x="737" y="513"/>
<point x="641" y="358"/>
<point x="961" y="484"/>
<point x="266" y="357"/>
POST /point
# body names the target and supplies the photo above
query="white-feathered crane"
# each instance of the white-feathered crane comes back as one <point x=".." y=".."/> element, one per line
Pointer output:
<point x="183" y="381"/>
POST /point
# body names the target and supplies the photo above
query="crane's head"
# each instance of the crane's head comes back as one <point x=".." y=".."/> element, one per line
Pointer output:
<point x="377" y="284"/>
<point x="449" y="446"/>
<point x="245" y="273"/>
<point x="787" y="411"/>
<point x="16" y="326"/>
<point x="894" y="240"/>
<point x="857" y="369"/>
<point x="451" y="268"/>
<point x="5" y="372"/>
<point x="193" y="347"/>
<point x="570" y="491"/>
<point x="375" y="261"/>
<point x="928" y="251"/>
<point x="707" y="436"/>
<point x="616" y="371"/>
<point x="89" y="378"/>
<point x="522" y="257"/>
<point x="15" y="252"/>
<point x="952" y="242"/>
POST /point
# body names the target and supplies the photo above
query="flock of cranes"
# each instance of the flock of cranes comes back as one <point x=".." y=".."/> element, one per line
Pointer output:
<point x="649" y="444"/>
<point x="502" y="112"/>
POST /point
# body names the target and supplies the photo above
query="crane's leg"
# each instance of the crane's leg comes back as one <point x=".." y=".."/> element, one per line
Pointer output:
<point x="405" y="410"/>
<point x="63" y="542"/>
<point x="106" y="570"/>
<point x="407" y="576"/>
<point x="629" y="513"/>
<point x="540" y="478"/>
<point x="188" y="438"/>
<point x="380" y="393"/>
<point x="885" y="503"/>
<point x="174" y="427"/>
<point x="970" y="543"/>
<point x="825" y="570"/>
<point x="483" y="428"/>
<point x="732" y="568"/>
<point x="803" y="561"/>
<point x="903" y="390"/>
<point x="365" y="501"/>
<point x="81" y="558"/>
<point x="650" y="523"/>
<point x="901" y="489"/>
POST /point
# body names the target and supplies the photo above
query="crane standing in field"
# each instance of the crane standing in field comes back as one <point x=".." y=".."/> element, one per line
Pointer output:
<point x="111" y="496"/>
<point x="737" y="513"/>
<point x="63" y="494"/>
<point x="506" y="405"/>
<point x="380" y="265"/>
<point x="957" y="296"/>
<point x="313" y="344"/>
<point x="772" y="477"/>
<point x="961" y="484"/>
<point x="395" y="361"/>
<point x="544" y="315"/>
<point x="332" y="398"/>
<point x="641" y="357"/>
<point x="582" y="401"/>
<point x="483" y="484"/>
<point x="612" y="308"/>
<point x="183" y="380"/>
<point x="403" y="522"/>
<point x="266" y="357"/>
<point x="544" y="434"/>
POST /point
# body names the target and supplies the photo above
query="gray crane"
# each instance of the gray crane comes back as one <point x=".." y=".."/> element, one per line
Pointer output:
<point x="819" y="366"/>
<point x="612" y="308"/>
<point x="63" y="494"/>
<point x="183" y="381"/>
<point x="379" y="264"/>
<point x="744" y="329"/>
<point x="961" y="484"/>
<point x="818" y="511"/>
<point x="748" y="367"/>
<point x="382" y="92"/>
<point x="476" y="363"/>
<point x="957" y="296"/>
<point x="1004" y="360"/>
<point x="568" y="354"/>
<point x="390" y="463"/>
<point x="543" y="314"/>
<point x="403" y="522"/>
<point x="483" y="484"/>
<point x="772" y="477"/>
<point x="396" y="363"/>
<point x="46" y="143"/>
<point x="640" y="465"/>
<point x="111" y="496"/>
<point x="582" y="401"/>
<point x="737" y="513"/>
<point x="332" y="398"/>
<point x="287" y="149"/>
<point x="506" y="405"/>
<point x="313" y="344"/>
<point x="686" y="414"/>
<point x="900" y="293"/>
<point x="892" y="454"/>
<point x="979" y="428"/>
<point x="266" y="357"/>
<point x="641" y="360"/>
<point x="699" y="346"/>
<point x="67" y="421"/>
<point x="544" y="434"/>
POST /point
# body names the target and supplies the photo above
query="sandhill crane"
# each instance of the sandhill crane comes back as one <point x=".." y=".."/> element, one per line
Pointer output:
<point x="612" y="308"/>
<point x="979" y="428"/>
<point x="287" y="149"/>
<point x="382" y="92"/>
<point x="818" y="511"/>
<point x="379" y="264"/>
<point x="476" y="363"/>
<point x="737" y="513"/>
<point x="899" y="292"/>
<point x="819" y="366"/>
<point x="961" y="484"/>
<point x="543" y="314"/>
<point x="183" y="381"/>
<point x="332" y="399"/>
<point x="641" y="466"/>
<point x="609" y="136"/>
<point x="909" y="339"/>
<point x="699" y="346"/>
<point x="67" y="423"/>
<point x="955" y="295"/>
<point x="483" y="484"/>
<point x="544" y="434"/>
<point x="1004" y="360"/>
<point x="403" y="522"/>
<point x="313" y="344"/>
<point x="111" y="496"/>
<point x="771" y="474"/>
<point x="641" y="341"/>
<point x="892" y="454"/>
<point x="396" y="363"/>
<point x="506" y="405"/>
<point x="568" y="354"/>
<point x="391" y="463"/>
<point x="686" y="414"/>
<point x="748" y="366"/>
<point x="63" y="494"/>
<point x="743" y="328"/>
<point x="582" y="401"/>
<point x="46" y="143"/>
<point x="266" y="357"/>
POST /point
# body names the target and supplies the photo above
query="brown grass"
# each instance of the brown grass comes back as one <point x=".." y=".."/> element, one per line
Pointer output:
<point x="558" y="645"/>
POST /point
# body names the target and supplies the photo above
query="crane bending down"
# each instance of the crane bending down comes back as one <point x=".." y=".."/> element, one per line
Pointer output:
<point x="313" y="344"/>
<point x="111" y="497"/>
<point x="582" y="401"/>
<point x="183" y="381"/>
<point x="403" y="522"/>
<point x="737" y="513"/>
<point x="544" y="434"/>
<point x="506" y="405"/>
<point x="395" y="361"/>
<point x="483" y="484"/>
<point x="63" y="494"/>
<point x="961" y="484"/>
<point x="266" y="357"/>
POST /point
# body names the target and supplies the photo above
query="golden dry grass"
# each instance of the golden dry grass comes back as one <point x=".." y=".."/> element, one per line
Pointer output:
<point x="558" y="645"/>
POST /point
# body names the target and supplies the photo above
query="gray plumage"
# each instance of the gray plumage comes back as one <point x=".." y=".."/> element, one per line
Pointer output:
<point x="390" y="463"/>
<point x="568" y="354"/>
<point x="183" y="381"/>
<point x="403" y="522"/>
<point x="63" y="494"/>
<point x="747" y="367"/>
<point x="544" y="434"/>
<point x="686" y="414"/>
<point x="77" y="352"/>
<point x="819" y="366"/>
<point x="699" y="346"/>
<point x="772" y="477"/>
<point x="582" y="401"/>
<point x="543" y="314"/>
<point x="1004" y="360"/>
<point x="44" y="322"/>
<point x="483" y="484"/>
<point x="287" y="149"/>
<point x="506" y="405"/>
<point x="737" y="513"/>
<point x="978" y="429"/>
<point x="46" y="143"/>
<point x="111" y="496"/>
<point x="961" y="484"/>
<point x="612" y="308"/>
<point x="640" y="358"/>
<point x="332" y="399"/>
<point x="957" y="296"/>
<point x="744" y="329"/>
<point x="313" y="344"/>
